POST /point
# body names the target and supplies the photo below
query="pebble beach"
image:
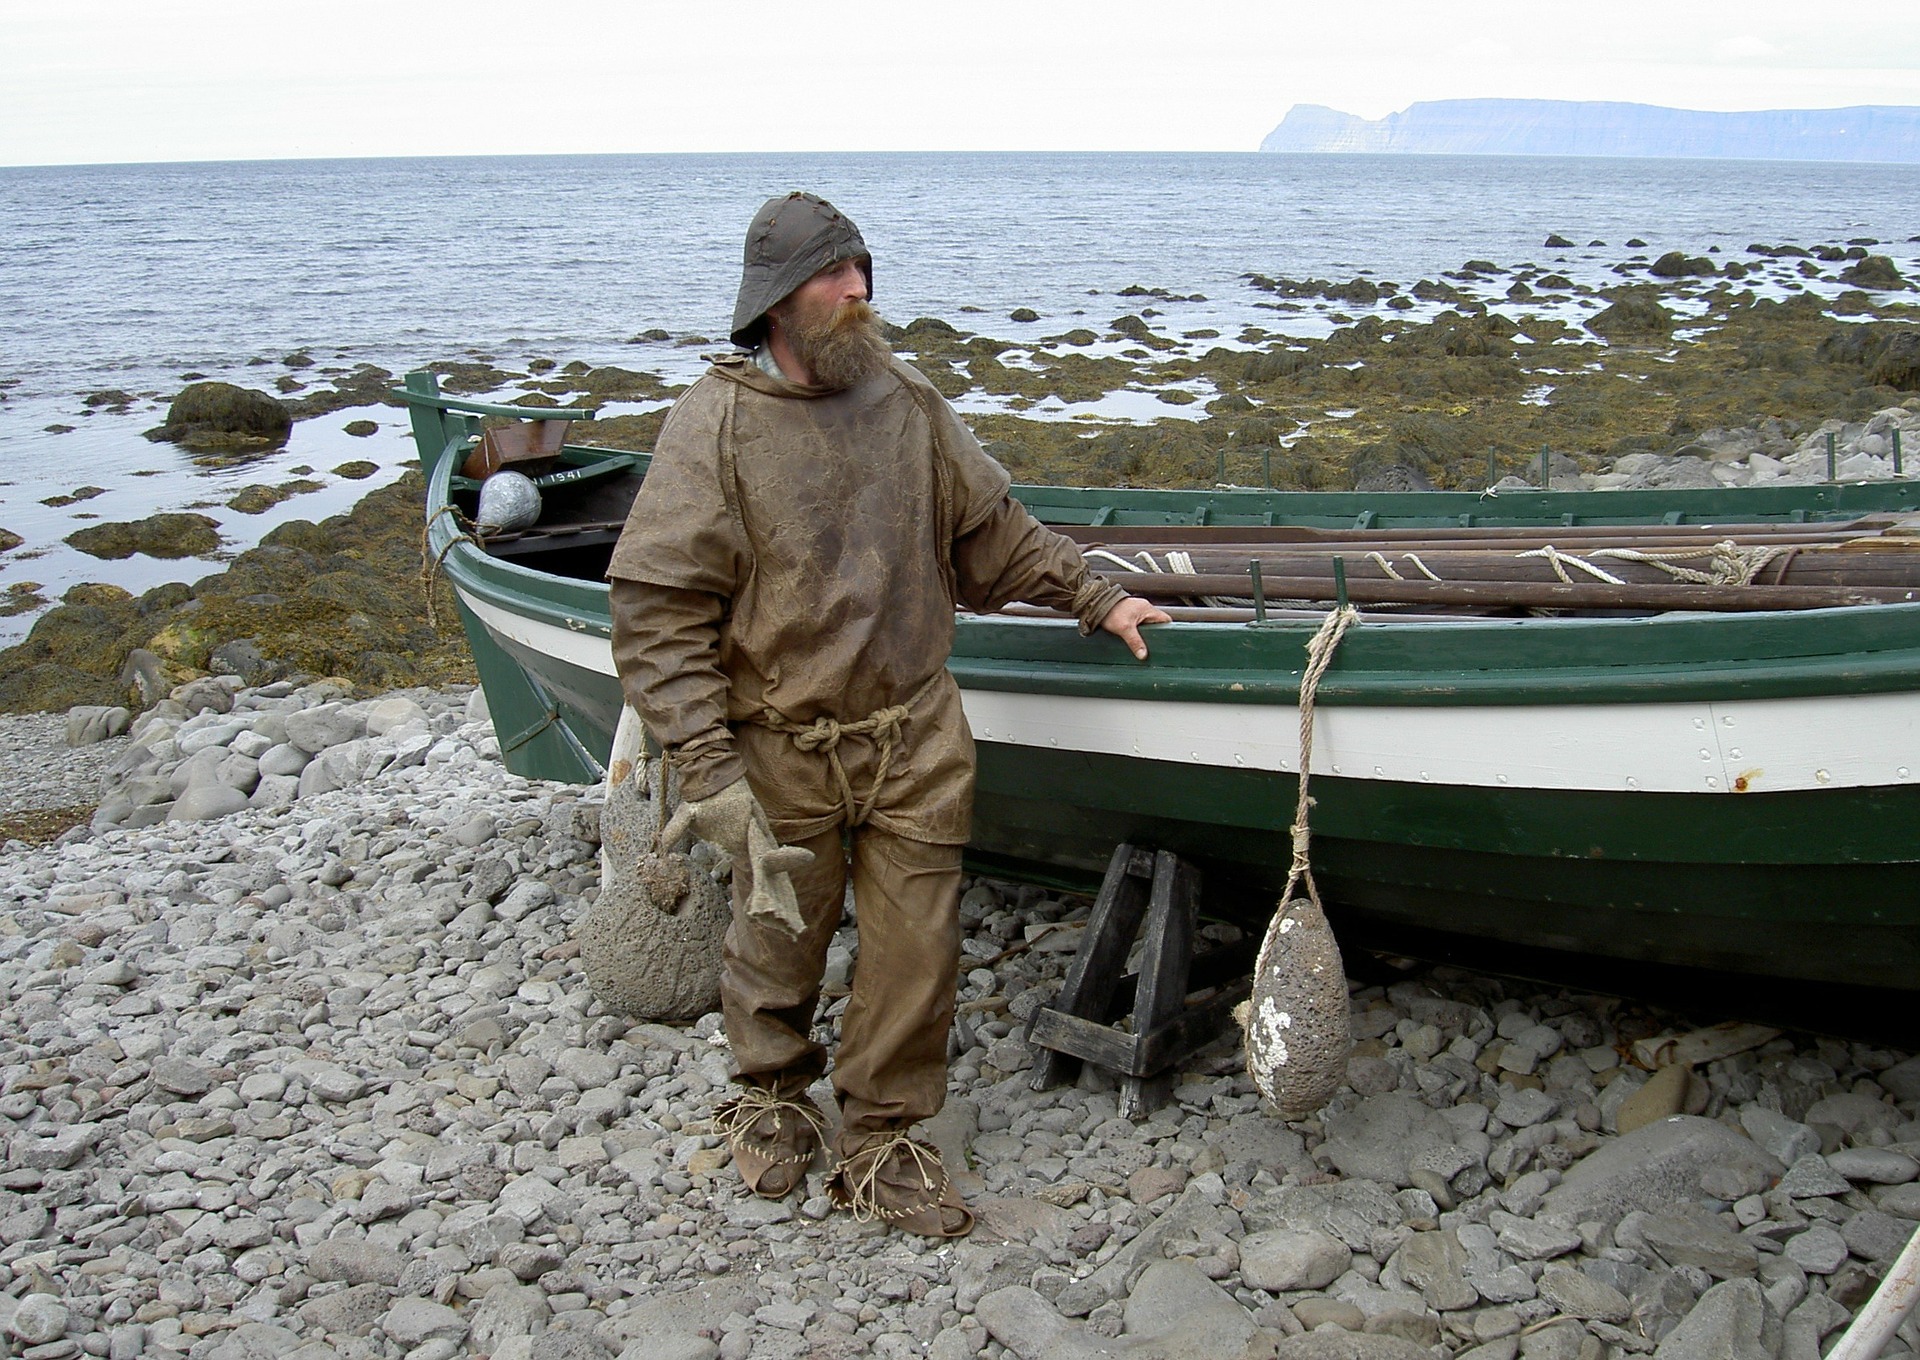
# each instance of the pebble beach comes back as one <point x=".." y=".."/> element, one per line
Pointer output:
<point x="317" y="1074"/>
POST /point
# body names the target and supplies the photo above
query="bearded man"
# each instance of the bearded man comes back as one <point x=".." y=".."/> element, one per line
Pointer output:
<point x="783" y="597"/>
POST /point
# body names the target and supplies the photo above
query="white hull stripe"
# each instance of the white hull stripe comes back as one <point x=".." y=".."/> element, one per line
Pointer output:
<point x="1740" y="746"/>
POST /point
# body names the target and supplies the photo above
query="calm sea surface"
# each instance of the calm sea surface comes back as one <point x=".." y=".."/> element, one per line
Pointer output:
<point x="128" y="276"/>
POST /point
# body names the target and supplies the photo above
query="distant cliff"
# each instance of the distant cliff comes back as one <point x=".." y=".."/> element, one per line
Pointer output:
<point x="1559" y="127"/>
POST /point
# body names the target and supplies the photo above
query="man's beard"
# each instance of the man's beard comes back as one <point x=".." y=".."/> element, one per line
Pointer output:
<point x="840" y="349"/>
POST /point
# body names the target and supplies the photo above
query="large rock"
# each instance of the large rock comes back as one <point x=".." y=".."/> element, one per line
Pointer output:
<point x="217" y="415"/>
<point x="1379" y="1138"/>
<point x="1877" y="272"/>
<point x="1731" y="1322"/>
<point x="91" y="723"/>
<point x="167" y="535"/>
<point x="1284" y="1259"/>
<point x="1657" y="1167"/>
<point x="1634" y="314"/>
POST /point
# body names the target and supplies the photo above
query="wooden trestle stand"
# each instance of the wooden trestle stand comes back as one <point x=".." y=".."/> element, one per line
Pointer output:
<point x="1139" y="1026"/>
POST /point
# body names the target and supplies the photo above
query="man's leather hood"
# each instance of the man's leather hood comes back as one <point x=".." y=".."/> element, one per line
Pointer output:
<point x="791" y="239"/>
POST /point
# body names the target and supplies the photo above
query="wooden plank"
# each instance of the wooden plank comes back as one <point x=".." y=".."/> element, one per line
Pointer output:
<point x="1139" y="1055"/>
<point x="1162" y="990"/>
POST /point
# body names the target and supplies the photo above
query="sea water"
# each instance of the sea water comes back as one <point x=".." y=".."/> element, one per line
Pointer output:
<point x="128" y="277"/>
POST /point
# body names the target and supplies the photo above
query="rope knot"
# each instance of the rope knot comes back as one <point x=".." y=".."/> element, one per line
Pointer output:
<point x="823" y="735"/>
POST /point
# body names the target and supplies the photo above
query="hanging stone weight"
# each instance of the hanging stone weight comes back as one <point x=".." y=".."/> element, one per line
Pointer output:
<point x="650" y="944"/>
<point x="1298" y="1036"/>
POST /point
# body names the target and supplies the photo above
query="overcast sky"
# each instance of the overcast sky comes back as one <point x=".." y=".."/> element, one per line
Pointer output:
<point x="136" y="80"/>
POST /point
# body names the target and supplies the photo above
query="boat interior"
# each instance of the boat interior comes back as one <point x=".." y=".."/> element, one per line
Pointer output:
<point x="1203" y="561"/>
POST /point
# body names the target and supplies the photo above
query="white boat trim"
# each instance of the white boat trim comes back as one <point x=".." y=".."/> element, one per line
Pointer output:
<point x="1740" y="746"/>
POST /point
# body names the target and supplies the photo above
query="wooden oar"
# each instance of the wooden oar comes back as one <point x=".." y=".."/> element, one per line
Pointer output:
<point x="1523" y="594"/>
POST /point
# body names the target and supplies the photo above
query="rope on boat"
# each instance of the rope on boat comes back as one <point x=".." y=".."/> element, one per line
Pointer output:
<point x="1556" y="559"/>
<point x="1319" y="657"/>
<point x="1379" y="559"/>
<point x="1297" y="1037"/>
<point x="1728" y="564"/>
<point x="432" y="564"/>
<point x="1422" y="567"/>
<point x="1181" y="563"/>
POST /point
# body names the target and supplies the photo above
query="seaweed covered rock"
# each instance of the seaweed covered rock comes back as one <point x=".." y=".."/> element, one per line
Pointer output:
<point x="168" y="535"/>
<point x="1875" y="271"/>
<point x="221" y="416"/>
<point x="1634" y="314"/>
<point x="1676" y="264"/>
<point x="343" y="597"/>
<point x="1888" y="354"/>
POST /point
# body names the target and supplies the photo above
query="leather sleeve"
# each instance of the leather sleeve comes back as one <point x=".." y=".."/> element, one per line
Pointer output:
<point x="666" y="647"/>
<point x="1011" y="556"/>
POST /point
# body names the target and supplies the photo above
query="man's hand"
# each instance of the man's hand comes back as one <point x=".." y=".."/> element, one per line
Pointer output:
<point x="734" y="820"/>
<point x="1125" y="618"/>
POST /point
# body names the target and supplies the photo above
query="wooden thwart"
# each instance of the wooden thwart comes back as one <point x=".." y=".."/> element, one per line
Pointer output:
<point x="1160" y="892"/>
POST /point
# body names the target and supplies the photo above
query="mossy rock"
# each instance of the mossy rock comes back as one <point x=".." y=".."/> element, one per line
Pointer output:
<point x="98" y="594"/>
<point x="1023" y="314"/>
<point x="359" y="469"/>
<point x="468" y="379"/>
<point x="22" y="597"/>
<point x="623" y="384"/>
<point x="1634" y="313"/>
<point x="168" y="535"/>
<point x="360" y="429"/>
<point x="9" y="540"/>
<point x="75" y="496"/>
<point x="255" y="500"/>
<point x="112" y="399"/>
<point x="1676" y="264"/>
<point x="217" y="415"/>
<point x="1876" y="272"/>
<point x="344" y="596"/>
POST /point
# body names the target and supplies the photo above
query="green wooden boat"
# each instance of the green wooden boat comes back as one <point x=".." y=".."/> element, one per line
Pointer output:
<point x="1613" y="757"/>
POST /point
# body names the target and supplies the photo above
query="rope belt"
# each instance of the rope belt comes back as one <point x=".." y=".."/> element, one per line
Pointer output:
<point x="824" y="735"/>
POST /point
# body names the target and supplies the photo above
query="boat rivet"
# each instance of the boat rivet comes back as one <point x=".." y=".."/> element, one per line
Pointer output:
<point x="1633" y="783"/>
<point x="1712" y="783"/>
<point x="1699" y="724"/>
<point x="1727" y="719"/>
<point x="1377" y="770"/>
<point x="1901" y="772"/>
<point x="1501" y="778"/>
<point x="1706" y="755"/>
<point x="1821" y="776"/>
<point x="1733" y="752"/>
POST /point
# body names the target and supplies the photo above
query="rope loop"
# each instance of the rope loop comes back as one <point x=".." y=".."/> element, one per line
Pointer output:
<point x="1319" y="656"/>
<point x="1560" y="560"/>
<point x="433" y="564"/>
